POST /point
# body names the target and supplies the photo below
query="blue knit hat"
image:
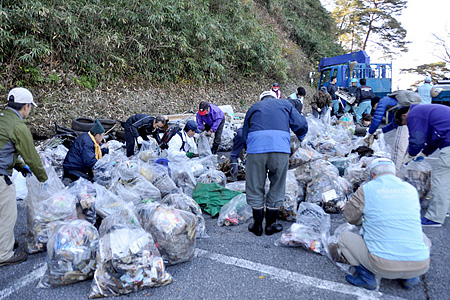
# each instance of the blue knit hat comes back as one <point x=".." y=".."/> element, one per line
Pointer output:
<point x="97" y="128"/>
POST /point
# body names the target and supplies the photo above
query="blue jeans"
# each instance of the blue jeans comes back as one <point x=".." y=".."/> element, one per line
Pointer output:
<point x="363" y="107"/>
<point x="336" y="106"/>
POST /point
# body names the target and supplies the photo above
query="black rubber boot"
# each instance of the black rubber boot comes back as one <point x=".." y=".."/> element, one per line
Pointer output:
<point x="214" y="148"/>
<point x="271" y="218"/>
<point x="234" y="169"/>
<point x="258" y="216"/>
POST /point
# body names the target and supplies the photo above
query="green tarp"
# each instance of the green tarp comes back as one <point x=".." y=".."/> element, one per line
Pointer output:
<point x="211" y="197"/>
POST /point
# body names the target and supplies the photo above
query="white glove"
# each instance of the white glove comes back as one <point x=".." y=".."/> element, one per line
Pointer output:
<point x="140" y="140"/>
<point x="319" y="110"/>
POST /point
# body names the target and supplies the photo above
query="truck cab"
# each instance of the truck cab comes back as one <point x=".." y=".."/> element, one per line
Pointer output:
<point x="356" y="65"/>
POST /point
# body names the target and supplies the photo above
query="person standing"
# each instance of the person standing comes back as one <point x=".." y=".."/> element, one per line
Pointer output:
<point x="321" y="102"/>
<point x="266" y="132"/>
<point x="392" y="245"/>
<point x="182" y="144"/>
<point x="352" y="91"/>
<point x="84" y="154"/>
<point x="210" y="118"/>
<point x="424" y="91"/>
<point x="15" y="140"/>
<point x="331" y="89"/>
<point x="429" y="130"/>
<point x="276" y="90"/>
<point x="364" y="95"/>
<point x="141" y="125"/>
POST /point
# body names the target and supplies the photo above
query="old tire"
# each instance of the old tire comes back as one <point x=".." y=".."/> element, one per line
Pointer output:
<point x="107" y="123"/>
<point x="120" y="135"/>
<point x="82" y="124"/>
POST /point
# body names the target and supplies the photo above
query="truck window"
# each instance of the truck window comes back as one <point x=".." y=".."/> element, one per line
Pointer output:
<point x="325" y="76"/>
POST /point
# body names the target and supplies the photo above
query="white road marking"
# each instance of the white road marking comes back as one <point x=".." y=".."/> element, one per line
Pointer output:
<point x="24" y="281"/>
<point x="286" y="275"/>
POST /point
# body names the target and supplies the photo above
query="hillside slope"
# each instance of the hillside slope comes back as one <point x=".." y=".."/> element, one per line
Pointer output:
<point x="111" y="59"/>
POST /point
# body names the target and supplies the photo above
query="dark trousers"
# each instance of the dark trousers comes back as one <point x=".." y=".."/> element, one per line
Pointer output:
<point x="129" y="139"/>
<point x="74" y="175"/>
<point x="257" y="168"/>
<point x="217" y="135"/>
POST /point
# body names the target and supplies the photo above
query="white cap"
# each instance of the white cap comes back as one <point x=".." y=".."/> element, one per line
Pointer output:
<point x="21" y="95"/>
<point x="267" y="93"/>
<point x="380" y="161"/>
<point x="428" y="79"/>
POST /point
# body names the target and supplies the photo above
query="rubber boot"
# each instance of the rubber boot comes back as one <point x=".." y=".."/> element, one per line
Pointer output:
<point x="258" y="216"/>
<point x="234" y="169"/>
<point x="214" y="148"/>
<point x="409" y="283"/>
<point x="271" y="218"/>
<point x="364" y="278"/>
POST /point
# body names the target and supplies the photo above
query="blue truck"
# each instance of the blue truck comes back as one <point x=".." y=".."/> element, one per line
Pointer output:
<point x="356" y="65"/>
<point x="440" y="92"/>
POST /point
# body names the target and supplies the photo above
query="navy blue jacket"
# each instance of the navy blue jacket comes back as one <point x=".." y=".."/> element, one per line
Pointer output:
<point x="429" y="128"/>
<point x="384" y="104"/>
<point x="81" y="155"/>
<point x="331" y="89"/>
<point x="364" y="93"/>
<point x="141" y="125"/>
<point x="267" y="124"/>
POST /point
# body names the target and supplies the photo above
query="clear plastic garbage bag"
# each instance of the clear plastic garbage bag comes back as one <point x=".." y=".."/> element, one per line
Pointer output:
<point x="71" y="253"/>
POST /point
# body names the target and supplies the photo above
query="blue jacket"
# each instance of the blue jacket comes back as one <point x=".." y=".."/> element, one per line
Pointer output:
<point x="141" y="125"/>
<point x="429" y="128"/>
<point x="267" y="124"/>
<point x="384" y="104"/>
<point x="424" y="91"/>
<point x="392" y="228"/>
<point x="81" y="155"/>
<point x="212" y="119"/>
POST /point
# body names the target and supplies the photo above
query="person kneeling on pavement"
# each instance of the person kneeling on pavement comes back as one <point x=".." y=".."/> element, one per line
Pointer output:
<point x="392" y="245"/>
<point x="266" y="131"/>
<point x="182" y="144"/>
<point x="83" y="154"/>
<point x="363" y="125"/>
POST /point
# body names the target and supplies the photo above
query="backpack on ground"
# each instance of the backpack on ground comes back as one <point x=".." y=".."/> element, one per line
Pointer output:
<point x="167" y="136"/>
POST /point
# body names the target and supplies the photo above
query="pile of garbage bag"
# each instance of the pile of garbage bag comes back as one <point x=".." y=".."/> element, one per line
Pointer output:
<point x="174" y="230"/>
<point x="128" y="261"/>
<point x="71" y="253"/>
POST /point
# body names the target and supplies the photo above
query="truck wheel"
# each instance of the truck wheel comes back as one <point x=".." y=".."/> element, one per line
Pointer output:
<point x="82" y="124"/>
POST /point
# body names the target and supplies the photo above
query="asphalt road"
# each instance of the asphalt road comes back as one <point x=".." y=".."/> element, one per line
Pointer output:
<point x="234" y="264"/>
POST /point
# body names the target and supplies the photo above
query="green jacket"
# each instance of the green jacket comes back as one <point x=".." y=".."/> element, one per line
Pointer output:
<point x="15" y="140"/>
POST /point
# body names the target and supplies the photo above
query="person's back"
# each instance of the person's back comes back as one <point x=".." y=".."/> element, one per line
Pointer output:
<point x="267" y="126"/>
<point x="81" y="155"/>
<point x="429" y="125"/>
<point x="424" y="91"/>
<point x="392" y="228"/>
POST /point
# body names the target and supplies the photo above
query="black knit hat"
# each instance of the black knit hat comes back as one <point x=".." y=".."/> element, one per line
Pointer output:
<point x="97" y="128"/>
